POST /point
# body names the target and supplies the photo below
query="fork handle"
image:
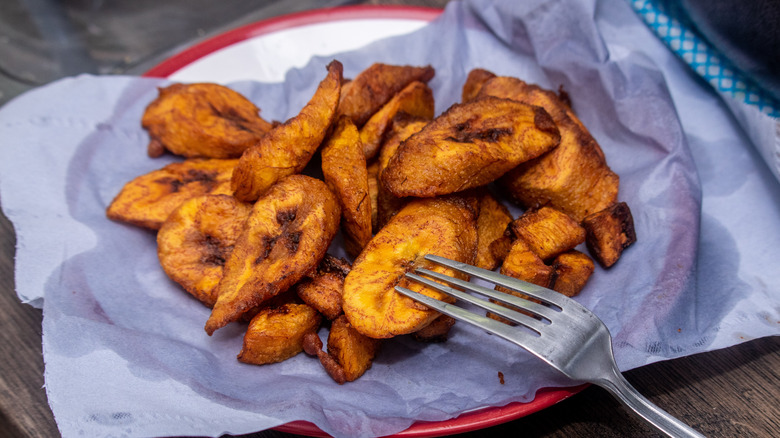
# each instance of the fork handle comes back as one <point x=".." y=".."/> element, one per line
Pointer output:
<point x="619" y="387"/>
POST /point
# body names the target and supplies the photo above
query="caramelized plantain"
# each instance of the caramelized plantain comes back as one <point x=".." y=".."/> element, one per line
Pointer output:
<point x="469" y="145"/>
<point x="609" y="232"/>
<point x="196" y="239"/>
<point x="443" y="226"/>
<point x="437" y="331"/>
<point x="345" y="172"/>
<point x="571" y="271"/>
<point x="323" y="288"/>
<point x="147" y="200"/>
<point x="548" y="231"/>
<point x="415" y="100"/>
<point x="288" y="147"/>
<point x="492" y="222"/>
<point x="375" y="86"/>
<point x="286" y="235"/>
<point x="574" y="177"/>
<point x="276" y="334"/>
<point x="474" y="81"/>
<point x="352" y="350"/>
<point x="202" y="120"/>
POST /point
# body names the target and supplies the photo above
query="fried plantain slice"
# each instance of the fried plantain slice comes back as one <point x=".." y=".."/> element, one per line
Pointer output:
<point x="147" y="200"/>
<point x="202" y="120"/>
<point x="444" y="226"/>
<point x="571" y="271"/>
<point x="373" y="191"/>
<point x="286" y="235"/>
<point x="288" y="147"/>
<point x="469" y="145"/>
<point x="609" y="232"/>
<point x="196" y="239"/>
<point x="574" y="177"/>
<point x="323" y="288"/>
<point x="375" y="86"/>
<point x="548" y="231"/>
<point x="403" y="127"/>
<point x="474" y="81"/>
<point x="524" y="264"/>
<point x="345" y="172"/>
<point x="492" y="222"/>
<point x="436" y="331"/>
<point x="352" y="350"/>
<point x="276" y="334"/>
<point x="415" y="100"/>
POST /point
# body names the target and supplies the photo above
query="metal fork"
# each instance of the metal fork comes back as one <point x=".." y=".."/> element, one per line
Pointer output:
<point x="564" y="333"/>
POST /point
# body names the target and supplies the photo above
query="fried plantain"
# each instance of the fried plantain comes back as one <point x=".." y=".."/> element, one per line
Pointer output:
<point x="196" y="239"/>
<point x="524" y="264"/>
<point x="548" y="231"/>
<point x="571" y="271"/>
<point x="609" y="232"/>
<point x="474" y="81"/>
<point x="288" y="147"/>
<point x="202" y="120"/>
<point x="574" y="177"/>
<point x="373" y="191"/>
<point x="323" y="288"/>
<point x="469" y="145"/>
<point x="436" y="331"/>
<point x="492" y="222"/>
<point x="276" y="334"/>
<point x="345" y="172"/>
<point x="444" y="226"/>
<point x="415" y="100"/>
<point x="147" y="200"/>
<point x="286" y="235"/>
<point x="352" y="350"/>
<point x="375" y="86"/>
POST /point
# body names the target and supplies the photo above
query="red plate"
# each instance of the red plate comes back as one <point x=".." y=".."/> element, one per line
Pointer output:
<point x="469" y="421"/>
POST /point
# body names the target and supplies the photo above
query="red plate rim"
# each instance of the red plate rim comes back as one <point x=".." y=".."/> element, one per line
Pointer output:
<point x="275" y="24"/>
<point x="466" y="422"/>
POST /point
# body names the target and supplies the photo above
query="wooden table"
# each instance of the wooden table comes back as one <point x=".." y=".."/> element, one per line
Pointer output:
<point x="725" y="393"/>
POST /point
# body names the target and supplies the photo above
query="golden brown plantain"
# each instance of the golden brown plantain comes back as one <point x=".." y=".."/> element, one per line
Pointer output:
<point x="352" y="350"/>
<point x="276" y="334"/>
<point x="375" y="86"/>
<point x="147" y="200"/>
<point x="373" y="192"/>
<point x="548" y="231"/>
<point x="436" y="331"/>
<point x="469" y="145"/>
<point x="492" y="221"/>
<point x="571" y="270"/>
<point x="196" y="239"/>
<point x="286" y="235"/>
<point x="609" y="232"/>
<point x="443" y="226"/>
<point x="202" y="120"/>
<point x="415" y="100"/>
<point x="345" y="172"/>
<point x="323" y="288"/>
<point x="288" y="147"/>
<point x="474" y="81"/>
<point x="574" y="177"/>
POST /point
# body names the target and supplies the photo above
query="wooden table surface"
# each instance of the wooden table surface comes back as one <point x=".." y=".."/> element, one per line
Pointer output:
<point x="726" y="393"/>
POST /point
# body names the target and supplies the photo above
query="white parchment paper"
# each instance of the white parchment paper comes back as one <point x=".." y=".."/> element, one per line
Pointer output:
<point x="125" y="349"/>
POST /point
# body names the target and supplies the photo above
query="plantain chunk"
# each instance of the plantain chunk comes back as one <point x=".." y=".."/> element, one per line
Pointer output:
<point x="147" y="200"/>
<point x="524" y="264"/>
<point x="345" y="172"/>
<point x="323" y="288"/>
<point x="352" y="350"/>
<point x="276" y="334"/>
<point x="574" y="177"/>
<point x="443" y="226"/>
<point x="375" y="86"/>
<point x="288" y="147"/>
<point x="437" y="331"/>
<point x="492" y="222"/>
<point x="609" y="232"/>
<point x="196" y="239"/>
<point x="571" y="271"/>
<point x="202" y="120"/>
<point x="474" y="82"/>
<point x="415" y="100"/>
<point x="286" y="235"/>
<point x="469" y="145"/>
<point x="548" y="231"/>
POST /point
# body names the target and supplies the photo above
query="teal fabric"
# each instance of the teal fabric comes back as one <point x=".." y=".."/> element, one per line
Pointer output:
<point x="671" y="24"/>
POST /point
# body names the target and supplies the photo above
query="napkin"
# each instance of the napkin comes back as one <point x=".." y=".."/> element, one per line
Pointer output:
<point x="124" y="347"/>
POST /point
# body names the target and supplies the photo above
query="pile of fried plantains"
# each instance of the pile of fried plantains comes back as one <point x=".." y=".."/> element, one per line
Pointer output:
<point x="242" y="229"/>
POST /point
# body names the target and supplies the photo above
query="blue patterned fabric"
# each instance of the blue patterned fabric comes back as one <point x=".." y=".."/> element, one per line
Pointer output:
<point x="671" y="24"/>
